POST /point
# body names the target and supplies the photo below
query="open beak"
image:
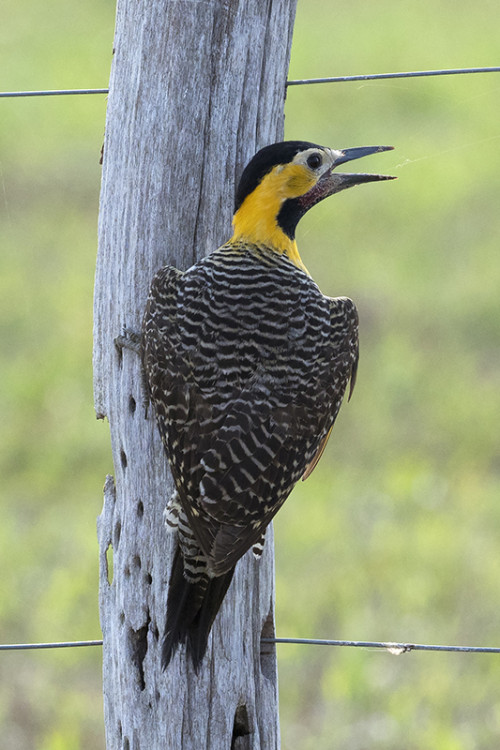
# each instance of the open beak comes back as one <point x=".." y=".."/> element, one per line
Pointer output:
<point x="333" y="182"/>
<point x="342" y="181"/>
<point x="349" y="154"/>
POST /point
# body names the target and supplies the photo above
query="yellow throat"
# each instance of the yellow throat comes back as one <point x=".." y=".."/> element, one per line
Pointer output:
<point x="256" y="221"/>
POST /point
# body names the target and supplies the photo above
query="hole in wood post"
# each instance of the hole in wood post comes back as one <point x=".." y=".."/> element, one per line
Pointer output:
<point x="268" y="650"/>
<point x="241" y="729"/>
<point x="109" y="563"/>
<point x="138" y="646"/>
<point x="123" y="458"/>
<point x="131" y="404"/>
<point x="118" y="533"/>
<point x="140" y="509"/>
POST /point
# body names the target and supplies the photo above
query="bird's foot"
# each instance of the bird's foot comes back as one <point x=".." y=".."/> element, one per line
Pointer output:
<point x="129" y="339"/>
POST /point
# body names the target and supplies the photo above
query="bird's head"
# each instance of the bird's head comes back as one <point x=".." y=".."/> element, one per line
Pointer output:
<point x="285" y="180"/>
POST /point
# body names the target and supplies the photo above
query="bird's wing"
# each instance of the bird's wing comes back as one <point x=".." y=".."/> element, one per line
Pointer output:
<point x="184" y="420"/>
<point x="249" y="471"/>
<point x="344" y="321"/>
<point x="234" y="463"/>
<point x="265" y="445"/>
<point x="157" y="325"/>
<point x="234" y="460"/>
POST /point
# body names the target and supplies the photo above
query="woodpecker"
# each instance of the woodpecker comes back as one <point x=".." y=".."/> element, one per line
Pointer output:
<point x="246" y="363"/>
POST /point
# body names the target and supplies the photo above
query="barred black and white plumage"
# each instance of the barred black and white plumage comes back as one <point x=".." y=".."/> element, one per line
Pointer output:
<point x="246" y="363"/>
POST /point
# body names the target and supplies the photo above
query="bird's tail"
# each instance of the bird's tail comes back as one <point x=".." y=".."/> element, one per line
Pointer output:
<point x="191" y="610"/>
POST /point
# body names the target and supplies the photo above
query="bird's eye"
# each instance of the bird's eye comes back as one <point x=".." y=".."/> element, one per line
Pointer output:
<point x="314" y="161"/>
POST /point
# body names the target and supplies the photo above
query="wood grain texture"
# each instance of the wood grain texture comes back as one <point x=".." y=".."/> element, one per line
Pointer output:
<point x="196" y="88"/>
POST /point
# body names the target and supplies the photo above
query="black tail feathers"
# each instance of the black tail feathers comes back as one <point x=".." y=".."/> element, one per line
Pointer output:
<point x="191" y="610"/>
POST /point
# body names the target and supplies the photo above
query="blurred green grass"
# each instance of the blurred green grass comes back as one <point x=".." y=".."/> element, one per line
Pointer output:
<point x="394" y="537"/>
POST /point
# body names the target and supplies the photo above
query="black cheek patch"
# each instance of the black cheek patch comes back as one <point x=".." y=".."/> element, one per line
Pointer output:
<point x="290" y="214"/>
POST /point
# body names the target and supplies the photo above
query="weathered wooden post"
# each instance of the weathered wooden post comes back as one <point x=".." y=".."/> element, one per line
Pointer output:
<point x="196" y="88"/>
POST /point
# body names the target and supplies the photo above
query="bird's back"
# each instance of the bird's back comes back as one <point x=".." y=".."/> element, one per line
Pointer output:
<point x="251" y="379"/>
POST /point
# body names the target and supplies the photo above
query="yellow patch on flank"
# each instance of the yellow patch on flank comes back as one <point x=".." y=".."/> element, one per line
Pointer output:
<point x="256" y="219"/>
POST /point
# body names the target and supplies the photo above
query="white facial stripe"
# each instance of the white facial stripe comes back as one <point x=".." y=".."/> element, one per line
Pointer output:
<point x="327" y="154"/>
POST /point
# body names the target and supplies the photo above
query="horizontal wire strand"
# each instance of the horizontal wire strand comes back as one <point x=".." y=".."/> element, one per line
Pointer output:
<point x="393" y="648"/>
<point x="381" y="76"/>
<point x="59" y="644"/>
<point x="52" y="92"/>
<point x="294" y="82"/>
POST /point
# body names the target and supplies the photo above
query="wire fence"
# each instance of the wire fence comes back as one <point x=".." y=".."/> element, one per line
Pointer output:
<point x="294" y="82"/>
<point x="392" y="647"/>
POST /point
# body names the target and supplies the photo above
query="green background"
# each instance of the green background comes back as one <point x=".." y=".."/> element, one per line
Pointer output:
<point x="395" y="536"/>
